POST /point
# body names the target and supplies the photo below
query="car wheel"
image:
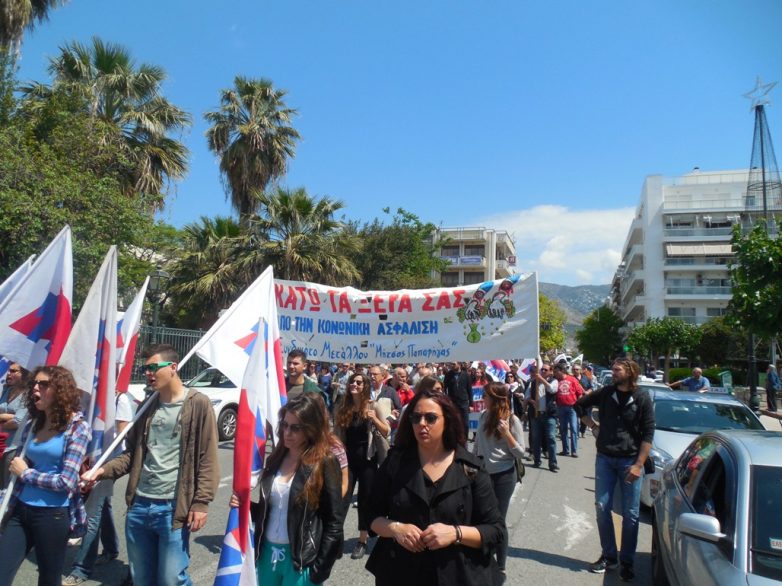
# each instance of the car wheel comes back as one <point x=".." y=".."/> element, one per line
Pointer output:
<point x="226" y="424"/>
<point x="659" y="578"/>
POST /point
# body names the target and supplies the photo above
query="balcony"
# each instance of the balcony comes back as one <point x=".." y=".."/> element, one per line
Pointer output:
<point x="693" y="319"/>
<point x="698" y="290"/>
<point x="629" y="280"/>
<point x="634" y="256"/>
<point x="721" y="233"/>
<point x="465" y="234"/>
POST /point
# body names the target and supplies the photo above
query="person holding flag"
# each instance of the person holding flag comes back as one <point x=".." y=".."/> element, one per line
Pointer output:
<point x="171" y="458"/>
<point x="298" y="522"/>
<point x="46" y="506"/>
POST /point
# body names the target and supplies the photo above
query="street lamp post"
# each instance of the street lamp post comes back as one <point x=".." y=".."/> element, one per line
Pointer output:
<point x="156" y="281"/>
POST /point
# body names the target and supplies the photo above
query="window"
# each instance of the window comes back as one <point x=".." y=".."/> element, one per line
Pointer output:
<point x="473" y="278"/>
<point x="715" y="495"/>
<point x="449" y="251"/>
<point x="474" y="250"/>
<point x="716" y="311"/>
<point x="450" y="279"/>
<point x="766" y="507"/>
<point x="693" y="462"/>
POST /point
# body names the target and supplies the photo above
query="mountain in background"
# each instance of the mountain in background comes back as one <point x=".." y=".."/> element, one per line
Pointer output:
<point x="577" y="303"/>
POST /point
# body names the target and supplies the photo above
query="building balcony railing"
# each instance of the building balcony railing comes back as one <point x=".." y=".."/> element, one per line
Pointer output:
<point x="688" y="232"/>
<point x="698" y="290"/>
<point x="691" y="260"/>
<point x="693" y="319"/>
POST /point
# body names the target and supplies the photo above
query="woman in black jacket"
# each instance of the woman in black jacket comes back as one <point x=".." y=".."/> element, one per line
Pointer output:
<point x="298" y="526"/>
<point x="432" y="504"/>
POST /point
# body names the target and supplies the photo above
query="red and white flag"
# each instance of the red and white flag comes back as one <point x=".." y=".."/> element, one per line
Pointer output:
<point x="262" y="396"/>
<point x="90" y="354"/>
<point x="128" y="328"/>
<point x="35" y="315"/>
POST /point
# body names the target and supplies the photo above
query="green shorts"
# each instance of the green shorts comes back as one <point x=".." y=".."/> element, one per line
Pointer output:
<point x="275" y="567"/>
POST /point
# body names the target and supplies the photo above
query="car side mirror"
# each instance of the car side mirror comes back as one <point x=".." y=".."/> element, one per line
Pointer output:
<point x="704" y="527"/>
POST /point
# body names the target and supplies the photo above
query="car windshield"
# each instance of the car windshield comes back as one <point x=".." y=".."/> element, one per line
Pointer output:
<point x="211" y="377"/>
<point x="766" y="545"/>
<point x="700" y="416"/>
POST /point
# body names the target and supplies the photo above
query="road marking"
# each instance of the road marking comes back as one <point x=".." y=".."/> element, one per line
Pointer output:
<point x="576" y="526"/>
<point x="224" y="481"/>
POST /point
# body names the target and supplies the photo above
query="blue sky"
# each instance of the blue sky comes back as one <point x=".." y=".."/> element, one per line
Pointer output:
<point x="542" y="118"/>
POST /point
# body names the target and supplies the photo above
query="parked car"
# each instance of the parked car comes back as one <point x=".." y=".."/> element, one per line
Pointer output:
<point x="718" y="518"/>
<point x="224" y="395"/>
<point x="680" y="416"/>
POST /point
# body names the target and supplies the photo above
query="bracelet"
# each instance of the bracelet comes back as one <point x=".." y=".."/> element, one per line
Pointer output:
<point x="458" y="534"/>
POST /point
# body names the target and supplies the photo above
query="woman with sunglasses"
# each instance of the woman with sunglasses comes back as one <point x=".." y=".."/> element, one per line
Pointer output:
<point x="46" y="507"/>
<point x="358" y="422"/>
<point x="432" y="503"/>
<point x="499" y="441"/>
<point x="298" y="522"/>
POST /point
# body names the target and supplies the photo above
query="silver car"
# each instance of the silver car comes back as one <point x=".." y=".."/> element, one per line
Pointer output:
<point x="680" y="416"/>
<point x="718" y="518"/>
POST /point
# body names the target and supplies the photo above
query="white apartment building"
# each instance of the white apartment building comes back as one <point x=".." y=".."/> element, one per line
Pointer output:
<point x="475" y="255"/>
<point x="675" y="258"/>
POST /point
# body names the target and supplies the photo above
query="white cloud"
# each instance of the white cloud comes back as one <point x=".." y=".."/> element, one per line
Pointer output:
<point x="565" y="246"/>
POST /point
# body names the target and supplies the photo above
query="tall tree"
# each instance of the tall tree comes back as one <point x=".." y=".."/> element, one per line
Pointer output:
<point x="300" y="236"/>
<point x="721" y="343"/>
<point x="252" y="135"/>
<point x="399" y="255"/>
<point x="205" y="274"/>
<point x="664" y="336"/>
<point x="756" y="274"/>
<point x="552" y="325"/>
<point x="16" y="16"/>
<point x="128" y="98"/>
<point x="599" y="337"/>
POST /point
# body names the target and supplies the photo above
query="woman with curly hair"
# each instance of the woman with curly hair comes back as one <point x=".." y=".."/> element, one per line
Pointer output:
<point x="298" y="522"/>
<point x="46" y="506"/>
<point x="357" y="423"/>
<point x="499" y="441"/>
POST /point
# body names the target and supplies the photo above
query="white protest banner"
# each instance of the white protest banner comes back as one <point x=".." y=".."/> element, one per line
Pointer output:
<point x="484" y="321"/>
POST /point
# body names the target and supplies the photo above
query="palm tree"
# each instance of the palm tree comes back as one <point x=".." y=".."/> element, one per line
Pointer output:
<point x="300" y="237"/>
<point x="252" y="136"/>
<point x="206" y="276"/>
<point x="127" y="98"/>
<point x="18" y="15"/>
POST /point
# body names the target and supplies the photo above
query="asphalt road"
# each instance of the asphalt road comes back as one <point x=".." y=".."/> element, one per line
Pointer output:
<point x="551" y="524"/>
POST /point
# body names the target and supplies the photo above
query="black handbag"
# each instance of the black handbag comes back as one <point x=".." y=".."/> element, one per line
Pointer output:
<point x="520" y="469"/>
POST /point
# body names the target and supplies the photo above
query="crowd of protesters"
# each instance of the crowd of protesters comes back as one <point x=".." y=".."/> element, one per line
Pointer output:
<point x="399" y="434"/>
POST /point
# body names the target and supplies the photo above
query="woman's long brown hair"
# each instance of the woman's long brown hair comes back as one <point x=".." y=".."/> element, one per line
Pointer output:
<point x="348" y="406"/>
<point x="317" y="454"/>
<point x="498" y="408"/>
<point x="67" y="398"/>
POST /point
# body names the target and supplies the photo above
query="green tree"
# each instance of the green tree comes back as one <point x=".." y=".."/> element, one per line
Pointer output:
<point x="757" y="282"/>
<point x="66" y="178"/>
<point x="206" y="275"/>
<point x="252" y="135"/>
<point x="552" y="324"/>
<point x="721" y="343"/>
<point x="299" y="235"/>
<point x="664" y="336"/>
<point x="16" y="16"/>
<point x="108" y="85"/>
<point x="599" y="337"/>
<point x="399" y="255"/>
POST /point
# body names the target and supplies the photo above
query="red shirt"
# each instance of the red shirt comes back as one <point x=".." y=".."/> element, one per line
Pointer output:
<point x="568" y="391"/>
<point x="406" y="395"/>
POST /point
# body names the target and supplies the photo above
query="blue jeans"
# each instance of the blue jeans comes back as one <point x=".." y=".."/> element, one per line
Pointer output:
<point x="608" y="471"/>
<point x="158" y="554"/>
<point x="100" y="524"/>
<point x="544" y="429"/>
<point x="568" y="424"/>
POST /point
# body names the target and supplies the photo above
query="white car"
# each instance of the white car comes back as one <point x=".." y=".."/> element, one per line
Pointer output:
<point x="223" y="394"/>
<point x="680" y="417"/>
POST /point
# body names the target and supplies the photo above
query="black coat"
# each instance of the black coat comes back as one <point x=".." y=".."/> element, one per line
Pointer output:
<point x="465" y="498"/>
<point x="458" y="387"/>
<point x="315" y="535"/>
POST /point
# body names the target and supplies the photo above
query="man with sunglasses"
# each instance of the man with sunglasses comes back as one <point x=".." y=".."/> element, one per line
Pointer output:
<point x="171" y="458"/>
<point x="541" y="396"/>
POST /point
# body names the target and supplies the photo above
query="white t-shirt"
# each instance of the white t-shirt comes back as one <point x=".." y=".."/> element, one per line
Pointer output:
<point x="277" y="526"/>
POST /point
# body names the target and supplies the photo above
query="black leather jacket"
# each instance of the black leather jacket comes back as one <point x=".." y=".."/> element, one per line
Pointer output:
<point x="315" y="535"/>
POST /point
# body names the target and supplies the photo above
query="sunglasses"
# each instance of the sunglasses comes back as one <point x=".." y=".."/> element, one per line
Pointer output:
<point x="41" y="384"/>
<point x="14" y="371"/>
<point x="293" y="427"/>
<point x="430" y="418"/>
<point x="357" y="382"/>
<point x="155" y="366"/>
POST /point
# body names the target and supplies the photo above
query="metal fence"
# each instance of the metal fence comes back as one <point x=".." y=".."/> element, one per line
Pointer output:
<point x="182" y="340"/>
